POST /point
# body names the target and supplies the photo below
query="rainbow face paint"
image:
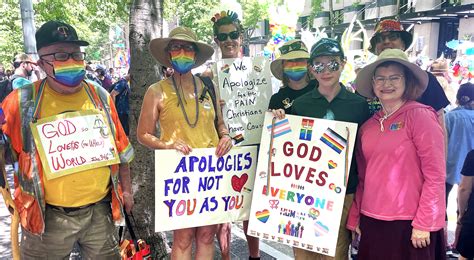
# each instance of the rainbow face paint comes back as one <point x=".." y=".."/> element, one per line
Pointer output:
<point x="69" y="73"/>
<point x="182" y="61"/>
<point x="295" y="70"/>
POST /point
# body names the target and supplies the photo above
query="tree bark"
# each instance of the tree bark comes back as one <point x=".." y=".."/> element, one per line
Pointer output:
<point x="146" y="20"/>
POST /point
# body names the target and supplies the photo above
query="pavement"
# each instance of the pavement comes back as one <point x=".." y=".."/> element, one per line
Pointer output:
<point x="268" y="250"/>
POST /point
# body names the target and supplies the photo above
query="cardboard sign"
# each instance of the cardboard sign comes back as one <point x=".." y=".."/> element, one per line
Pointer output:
<point x="245" y="85"/>
<point x="74" y="142"/>
<point x="201" y="189"/>
<point x="301" y="202"/>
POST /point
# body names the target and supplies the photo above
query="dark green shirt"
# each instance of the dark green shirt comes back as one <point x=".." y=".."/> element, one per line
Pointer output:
<point x="345" y="106"/>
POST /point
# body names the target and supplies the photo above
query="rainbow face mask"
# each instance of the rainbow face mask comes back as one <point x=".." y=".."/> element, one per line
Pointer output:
<point x="295" y="70"/>
<point x="182" y="61"/>
<point x="69" y="73"/>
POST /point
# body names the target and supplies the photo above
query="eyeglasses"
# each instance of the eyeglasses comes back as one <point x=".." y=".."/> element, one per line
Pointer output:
<point x="178" y="47"/>
<point x="391" y="36"/>
<point x="64" y="56"/>
<point x="293" y="47"/>
<point x="393" y="80"/>
<point x="332" y="66"/>
<point x="223" y="36"/>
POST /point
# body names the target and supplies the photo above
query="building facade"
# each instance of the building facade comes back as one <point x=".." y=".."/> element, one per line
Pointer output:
<point x="432" y="22"/>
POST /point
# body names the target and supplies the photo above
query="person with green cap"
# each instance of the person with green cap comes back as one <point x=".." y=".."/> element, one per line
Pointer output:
<point x="331" y="100"/>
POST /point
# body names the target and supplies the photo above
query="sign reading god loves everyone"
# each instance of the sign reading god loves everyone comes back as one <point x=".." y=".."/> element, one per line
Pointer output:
<point x="201" y="189"/>
<point x="74" y="142"/>
<point x="301" y="203"/>
<point x="245" y="85"/>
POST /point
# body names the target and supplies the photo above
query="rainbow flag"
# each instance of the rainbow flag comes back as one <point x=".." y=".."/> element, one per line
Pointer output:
<point x="333" y="140"/>
<point x="281" y="127"/>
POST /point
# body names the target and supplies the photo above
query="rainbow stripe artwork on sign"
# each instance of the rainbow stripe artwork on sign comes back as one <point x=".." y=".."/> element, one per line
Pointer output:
<point x="333" y="140"/>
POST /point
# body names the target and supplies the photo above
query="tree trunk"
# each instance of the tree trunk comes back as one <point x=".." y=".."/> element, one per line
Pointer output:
<point x="146" y="19"/>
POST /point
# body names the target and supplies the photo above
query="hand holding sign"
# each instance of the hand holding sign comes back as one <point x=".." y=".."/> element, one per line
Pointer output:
<point x="181" y="147"/>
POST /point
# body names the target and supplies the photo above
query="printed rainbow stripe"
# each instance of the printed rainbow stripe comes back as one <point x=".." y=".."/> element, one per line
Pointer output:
<point x="295" y="70"/>
<point x="333" y="140"/>
<point x="281" y="127"/>
<point x="182" y="61"/>
<point x="69" y="72"/>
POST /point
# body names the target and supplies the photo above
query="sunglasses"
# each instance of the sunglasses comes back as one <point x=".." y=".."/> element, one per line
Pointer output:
<point x="64" y="56"/>
<point x="178" y="47"/>
<point x="293" y="47"/>
<point x="391" y="36"/>
<point x="223" y="36"/>
<point x="332" y="66"/>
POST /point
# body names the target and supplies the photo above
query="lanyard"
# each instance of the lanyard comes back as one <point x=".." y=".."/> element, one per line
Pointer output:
<point x="39" y="99"/>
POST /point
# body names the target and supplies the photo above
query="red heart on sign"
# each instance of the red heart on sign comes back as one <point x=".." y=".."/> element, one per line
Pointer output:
<point x="238" y="183"/>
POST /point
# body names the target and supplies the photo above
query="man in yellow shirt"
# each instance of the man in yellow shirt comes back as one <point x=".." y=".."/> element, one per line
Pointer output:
<point x="79" y="206"/>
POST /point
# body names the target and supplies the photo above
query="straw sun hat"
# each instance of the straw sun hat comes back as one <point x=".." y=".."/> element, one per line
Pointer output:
<point x="294" y="49"/>
<point x="364" y="77"/>
<point x="158" y="47"/>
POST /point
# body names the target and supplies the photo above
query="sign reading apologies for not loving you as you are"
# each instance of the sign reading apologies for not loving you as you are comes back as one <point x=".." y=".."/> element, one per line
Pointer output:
<point x="73" y="142"/>
<point x="202" y="189"/>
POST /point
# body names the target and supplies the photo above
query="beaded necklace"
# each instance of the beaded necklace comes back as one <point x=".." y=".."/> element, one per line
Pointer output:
<point x="183" y="110"/>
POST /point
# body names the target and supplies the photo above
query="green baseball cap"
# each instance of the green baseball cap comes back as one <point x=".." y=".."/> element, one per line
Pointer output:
<point x="326" y="47"/>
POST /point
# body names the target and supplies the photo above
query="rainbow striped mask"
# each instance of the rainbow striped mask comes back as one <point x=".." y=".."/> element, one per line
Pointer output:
<point x="69" y="73"/>
<point x="295" y="70"/>
<point x="182" y="61"/>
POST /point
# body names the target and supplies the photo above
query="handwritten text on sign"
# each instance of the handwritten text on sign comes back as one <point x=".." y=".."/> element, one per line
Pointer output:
<point x="202" y="189"/>
<point x="245" y="85"/>
<point x="74" y="142"/>
<point x="302" y="203"/>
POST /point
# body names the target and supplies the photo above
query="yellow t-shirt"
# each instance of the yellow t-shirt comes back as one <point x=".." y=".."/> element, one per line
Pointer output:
<point x="81" y="188"/>
<point x="173" y="124"/>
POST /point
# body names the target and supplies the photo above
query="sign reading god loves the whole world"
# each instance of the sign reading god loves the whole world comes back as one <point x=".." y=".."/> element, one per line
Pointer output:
<point x="73" y="142"/>
<point x="245" y="85"/>
<point x="301" y="203"/>
<point x="201" y="189"/>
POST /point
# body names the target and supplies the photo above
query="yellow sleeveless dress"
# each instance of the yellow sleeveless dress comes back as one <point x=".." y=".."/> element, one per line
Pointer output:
<point x="173" y="124"/>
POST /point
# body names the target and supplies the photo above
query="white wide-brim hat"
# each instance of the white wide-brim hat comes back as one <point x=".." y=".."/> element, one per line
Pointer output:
<point x="364" y="78"/>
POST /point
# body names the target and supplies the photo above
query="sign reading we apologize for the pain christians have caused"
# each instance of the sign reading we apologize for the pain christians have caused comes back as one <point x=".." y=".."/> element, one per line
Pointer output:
<point x="245" y="85"/>
<point x="74" y="142"/>
<point x="201" y="189"/>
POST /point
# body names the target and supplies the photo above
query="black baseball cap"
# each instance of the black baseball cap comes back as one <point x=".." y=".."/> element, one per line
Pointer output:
<point x="56" y="32"/>
<point x="326" y="47"/>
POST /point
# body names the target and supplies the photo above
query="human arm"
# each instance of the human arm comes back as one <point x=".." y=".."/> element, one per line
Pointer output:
<point x="464" y="190"/>
<point x="430" y="150"/>
<point x="225" y="141"/>
<point x="149" y="116"/>
<point x="353" y="219"/>
<point x="126" y="184"/>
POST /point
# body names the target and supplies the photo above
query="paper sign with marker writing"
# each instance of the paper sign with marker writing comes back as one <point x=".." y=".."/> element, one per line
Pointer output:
<point x="201" y="189"/>
<point x="299" y="195"/>
<point x="245" y="85"/>
<point x="73" y="142"/>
